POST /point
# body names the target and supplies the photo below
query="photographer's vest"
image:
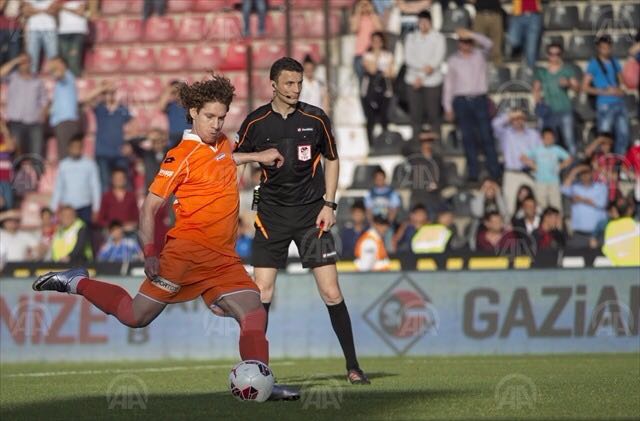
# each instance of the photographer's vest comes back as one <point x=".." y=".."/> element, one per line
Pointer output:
<point x="382" y="259"/>
<point x="432" y="238"/>
<point x="65" y="239"/>
<point x="622" y="242"/>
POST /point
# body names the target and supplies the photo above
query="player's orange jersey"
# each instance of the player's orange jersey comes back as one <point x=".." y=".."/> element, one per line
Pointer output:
<point x="203" y="179"/>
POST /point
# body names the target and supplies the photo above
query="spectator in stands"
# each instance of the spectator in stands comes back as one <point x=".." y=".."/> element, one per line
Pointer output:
<point x="364" y="22"/>
<point x="515" y="139"/>
<point x="604" y="163"/>
<point x="73" y="28"/>
<point x="16" y="245"/>
<point x="370" y="251"/>
<point x="111" y="118"/>
<point x="530" y="221"/>
<point x="489" y="22"/>
<point x="40" y="29"/>
<point x="589" y="200"/>
<point x="603" y="79"/>
<point x="435" y="237"/>
<point x="425" y="50"/>
<point x="78" y="183"/>
<point x="465" y="93"/>
<point x="524" y="191"/>
<point x="176" y="114"/>
<point x="64" y="116"/>
<point x="118" y="247"/>
<point x="152" y="150"/>
<point x="548" y="161"/>
<point x="7" y="148"/>
<point x="72" y="240"/>
<point x="401" y="240"/>
<point x="488" y="199"/>
<point x="553" y="105"/>
<point x="376" y="91"/>
<point x="119" y="204"/>
<point x="154" y="7"/>
<point x="427" y="174"/>
<point x="27" y="176"/>
<point x="382" y="200"/>
<point x="525" y="29"/>
<point x="494" y="237"/>
<point x="314" y="91"/>
<point x="353" y="229"/>
<point x="409" y="10"/>
<point x="550" y="235"/>
<point x="26" y="108"/>
<point x="261" y="8"/>
<point x="10" y="30"/>
<point x="47" y="231"/>
<point x="244" y="241"/>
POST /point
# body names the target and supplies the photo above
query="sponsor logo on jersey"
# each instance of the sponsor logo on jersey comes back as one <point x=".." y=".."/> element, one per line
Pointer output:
<point x="221" y="156"/>
<point x="305" y="129"/>
<point x="165" y="284"/>
<point x="165" y="173"/>
<point x="169" y="160"/>
<point x="304" y="152"/>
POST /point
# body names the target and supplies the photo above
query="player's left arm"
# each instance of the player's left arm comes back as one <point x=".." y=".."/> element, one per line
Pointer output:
<point x="327" y="218"/>
<point x="150" y="207"/>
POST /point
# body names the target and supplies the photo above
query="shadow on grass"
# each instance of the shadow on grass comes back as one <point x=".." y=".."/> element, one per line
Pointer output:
<point x="318" y="402"/>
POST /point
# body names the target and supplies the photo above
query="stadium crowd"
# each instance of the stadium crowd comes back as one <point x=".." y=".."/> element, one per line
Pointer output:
<point x="539" y="184"/>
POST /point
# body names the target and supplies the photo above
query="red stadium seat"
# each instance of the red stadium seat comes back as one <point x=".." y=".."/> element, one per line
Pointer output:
<point x="179" y="6"/>
<point x="113" y="7"/>
<point x="311" y="24"/>
<point x="227" y="27"/>
<point x="159" y="29"/>
<point x="192" y="28"/>
<point x="104" y="60"/>
<point x="173" y="59"/>
<point x="236" y="115"/>
<point x="241" y="83"/>
<point x="127" y="30"/>
<point x="84" y="87"/>
<point x="306" y="4"/>
<point x="275" y="25"/>
<point x="211" y="5"/>
<point x="262" y="90"/>
<point x="135" y="7"/>
<point x="140" y="59"/>
<point x="277" y="4"/>
<point x="264" y="54"/>
<point x="301" y="49"/>
<point x="146" y="89"/>
<point x="235" y="58"/>
<point x="205" y="57"/>
<point x="102" y="31"/>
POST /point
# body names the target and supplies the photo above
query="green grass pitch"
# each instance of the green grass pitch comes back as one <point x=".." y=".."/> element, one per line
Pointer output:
<point x="590" y="386"/>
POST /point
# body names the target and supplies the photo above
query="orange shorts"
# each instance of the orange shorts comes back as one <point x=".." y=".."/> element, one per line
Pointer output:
<point x="188" y="270"/>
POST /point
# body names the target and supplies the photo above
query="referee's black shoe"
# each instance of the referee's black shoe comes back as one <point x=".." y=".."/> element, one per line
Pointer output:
<point x="284" y="393"/>
<point x="357" y="376"/>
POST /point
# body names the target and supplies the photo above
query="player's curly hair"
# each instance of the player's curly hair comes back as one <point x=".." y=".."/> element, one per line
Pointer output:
<point x="217" y="89"/>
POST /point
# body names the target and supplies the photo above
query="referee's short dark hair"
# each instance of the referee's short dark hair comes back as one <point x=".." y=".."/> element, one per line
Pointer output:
<point x="282" y="64"/>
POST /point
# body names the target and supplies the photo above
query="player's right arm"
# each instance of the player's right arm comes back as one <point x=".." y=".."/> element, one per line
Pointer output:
<point x="150" y="207"/>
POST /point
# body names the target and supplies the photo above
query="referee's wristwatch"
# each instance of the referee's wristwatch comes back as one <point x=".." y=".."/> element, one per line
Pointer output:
<point x="332" y="205"/>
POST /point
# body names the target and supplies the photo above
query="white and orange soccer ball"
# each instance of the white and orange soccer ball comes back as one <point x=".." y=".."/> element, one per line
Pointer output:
<point x="251" y="380"/>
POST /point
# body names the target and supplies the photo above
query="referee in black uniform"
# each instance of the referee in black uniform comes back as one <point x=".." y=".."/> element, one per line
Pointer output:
<point x="297" y="201"/>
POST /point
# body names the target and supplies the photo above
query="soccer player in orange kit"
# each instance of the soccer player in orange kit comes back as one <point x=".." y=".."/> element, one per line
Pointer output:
<point x="199" y="257"/>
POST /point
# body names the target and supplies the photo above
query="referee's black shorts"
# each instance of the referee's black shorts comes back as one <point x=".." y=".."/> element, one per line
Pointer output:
<point x="276" y="226"/>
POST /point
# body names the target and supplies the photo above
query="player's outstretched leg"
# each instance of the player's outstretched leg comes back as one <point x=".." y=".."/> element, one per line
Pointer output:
<point x="111" y="299"/>
<point x="246" y="308"/>
<point x="327" y="281"/>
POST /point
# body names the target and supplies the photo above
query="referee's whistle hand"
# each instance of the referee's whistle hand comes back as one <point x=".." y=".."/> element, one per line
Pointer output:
<point x="271" y="157"/>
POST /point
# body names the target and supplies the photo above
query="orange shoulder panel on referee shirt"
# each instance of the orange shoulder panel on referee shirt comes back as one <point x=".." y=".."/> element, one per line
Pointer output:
<point x="203" y="180"/>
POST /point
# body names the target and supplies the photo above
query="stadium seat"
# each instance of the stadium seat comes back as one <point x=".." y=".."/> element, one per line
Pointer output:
<point x="561" y="17"/>
<point x="450" y="175"/>
<point x="84" y="87"/>
<point x="235" y="57"/>
<point x="171" y="59"/>
<point x="311" y="24"/>
<point x="629" y="15"/>
<point x="241" y="82"/>
<point x="515" y="101"/>
<point x="498" y="76"/>
<point x="455" y="18"/>
<point x="545" y="41"/>
<point x="581" y="47"/>
<point x="104" y="60"/>
<point x="461" y="202"/>
<point x="135" y="7"/>
<point x="583" y="108"/>
<point x="387" y="143"/>
<point x="211" y="5"/>
<point x="452" y="144"/>
<point x="302" y="48"/>
<point x="275" y="25"/>
<point x="159" y="29"/>
<point x="236" y="115"/>
<point x="401" y="177"/>
<point x="343" y="214"/>
<point x="452" y="46"/>
<point x="363" y="176"/>
<point x="227" y="27"/>
<point x="126" y="30"/>
<point x="140" y="59"/>
<point x="262" y="90"/>
<point x="524" y="75"/>
<point x="621" y="44"/>
<point x="192" y="28"/>
<point x="102" y="31"/>
<point x="205" y="57"/>
<point x="113" y="7"/>
<point x="264" y="54"/>
<point x="147" y="89"/>
<point x="597" y="18"/>
<point x="179" y="6"/>
<point x="632" y="104"/>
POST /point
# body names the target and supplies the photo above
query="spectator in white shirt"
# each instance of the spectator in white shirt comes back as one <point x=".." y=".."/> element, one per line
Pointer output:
<point x="314" y="91"/>
<point x="73" y="27"/>
<point x="40" y="30"/>
<point x="425" y="50"/>
<point x="15" y="245"/>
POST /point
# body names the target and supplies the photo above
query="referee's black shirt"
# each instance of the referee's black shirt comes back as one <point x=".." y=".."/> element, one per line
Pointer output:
<point x="302" y="138"/>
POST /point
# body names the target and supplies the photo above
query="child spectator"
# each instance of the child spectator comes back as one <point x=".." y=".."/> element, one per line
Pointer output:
<point x="119" y="248"/>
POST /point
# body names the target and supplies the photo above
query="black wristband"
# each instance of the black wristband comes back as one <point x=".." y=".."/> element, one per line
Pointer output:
<point x="332" y="205"/>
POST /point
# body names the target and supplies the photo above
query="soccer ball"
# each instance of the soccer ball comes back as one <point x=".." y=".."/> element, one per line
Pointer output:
<point x="251" y="380"/>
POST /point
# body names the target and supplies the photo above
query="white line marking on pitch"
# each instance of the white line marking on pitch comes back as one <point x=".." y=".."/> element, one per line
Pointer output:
<point x="131" y="370"/>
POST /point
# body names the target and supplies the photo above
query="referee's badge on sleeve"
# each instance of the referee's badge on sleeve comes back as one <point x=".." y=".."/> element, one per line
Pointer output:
<point x="304" y="152"/>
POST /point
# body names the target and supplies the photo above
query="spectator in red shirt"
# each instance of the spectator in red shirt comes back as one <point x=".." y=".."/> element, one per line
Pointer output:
<point x="494" y="237"/>
<point x="604" y="162"/>
<point x="119" y="204"/>
<point x="550" y="235"/>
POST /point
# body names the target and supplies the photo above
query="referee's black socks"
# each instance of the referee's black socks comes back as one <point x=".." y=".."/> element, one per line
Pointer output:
<point x="342" y="326"/>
